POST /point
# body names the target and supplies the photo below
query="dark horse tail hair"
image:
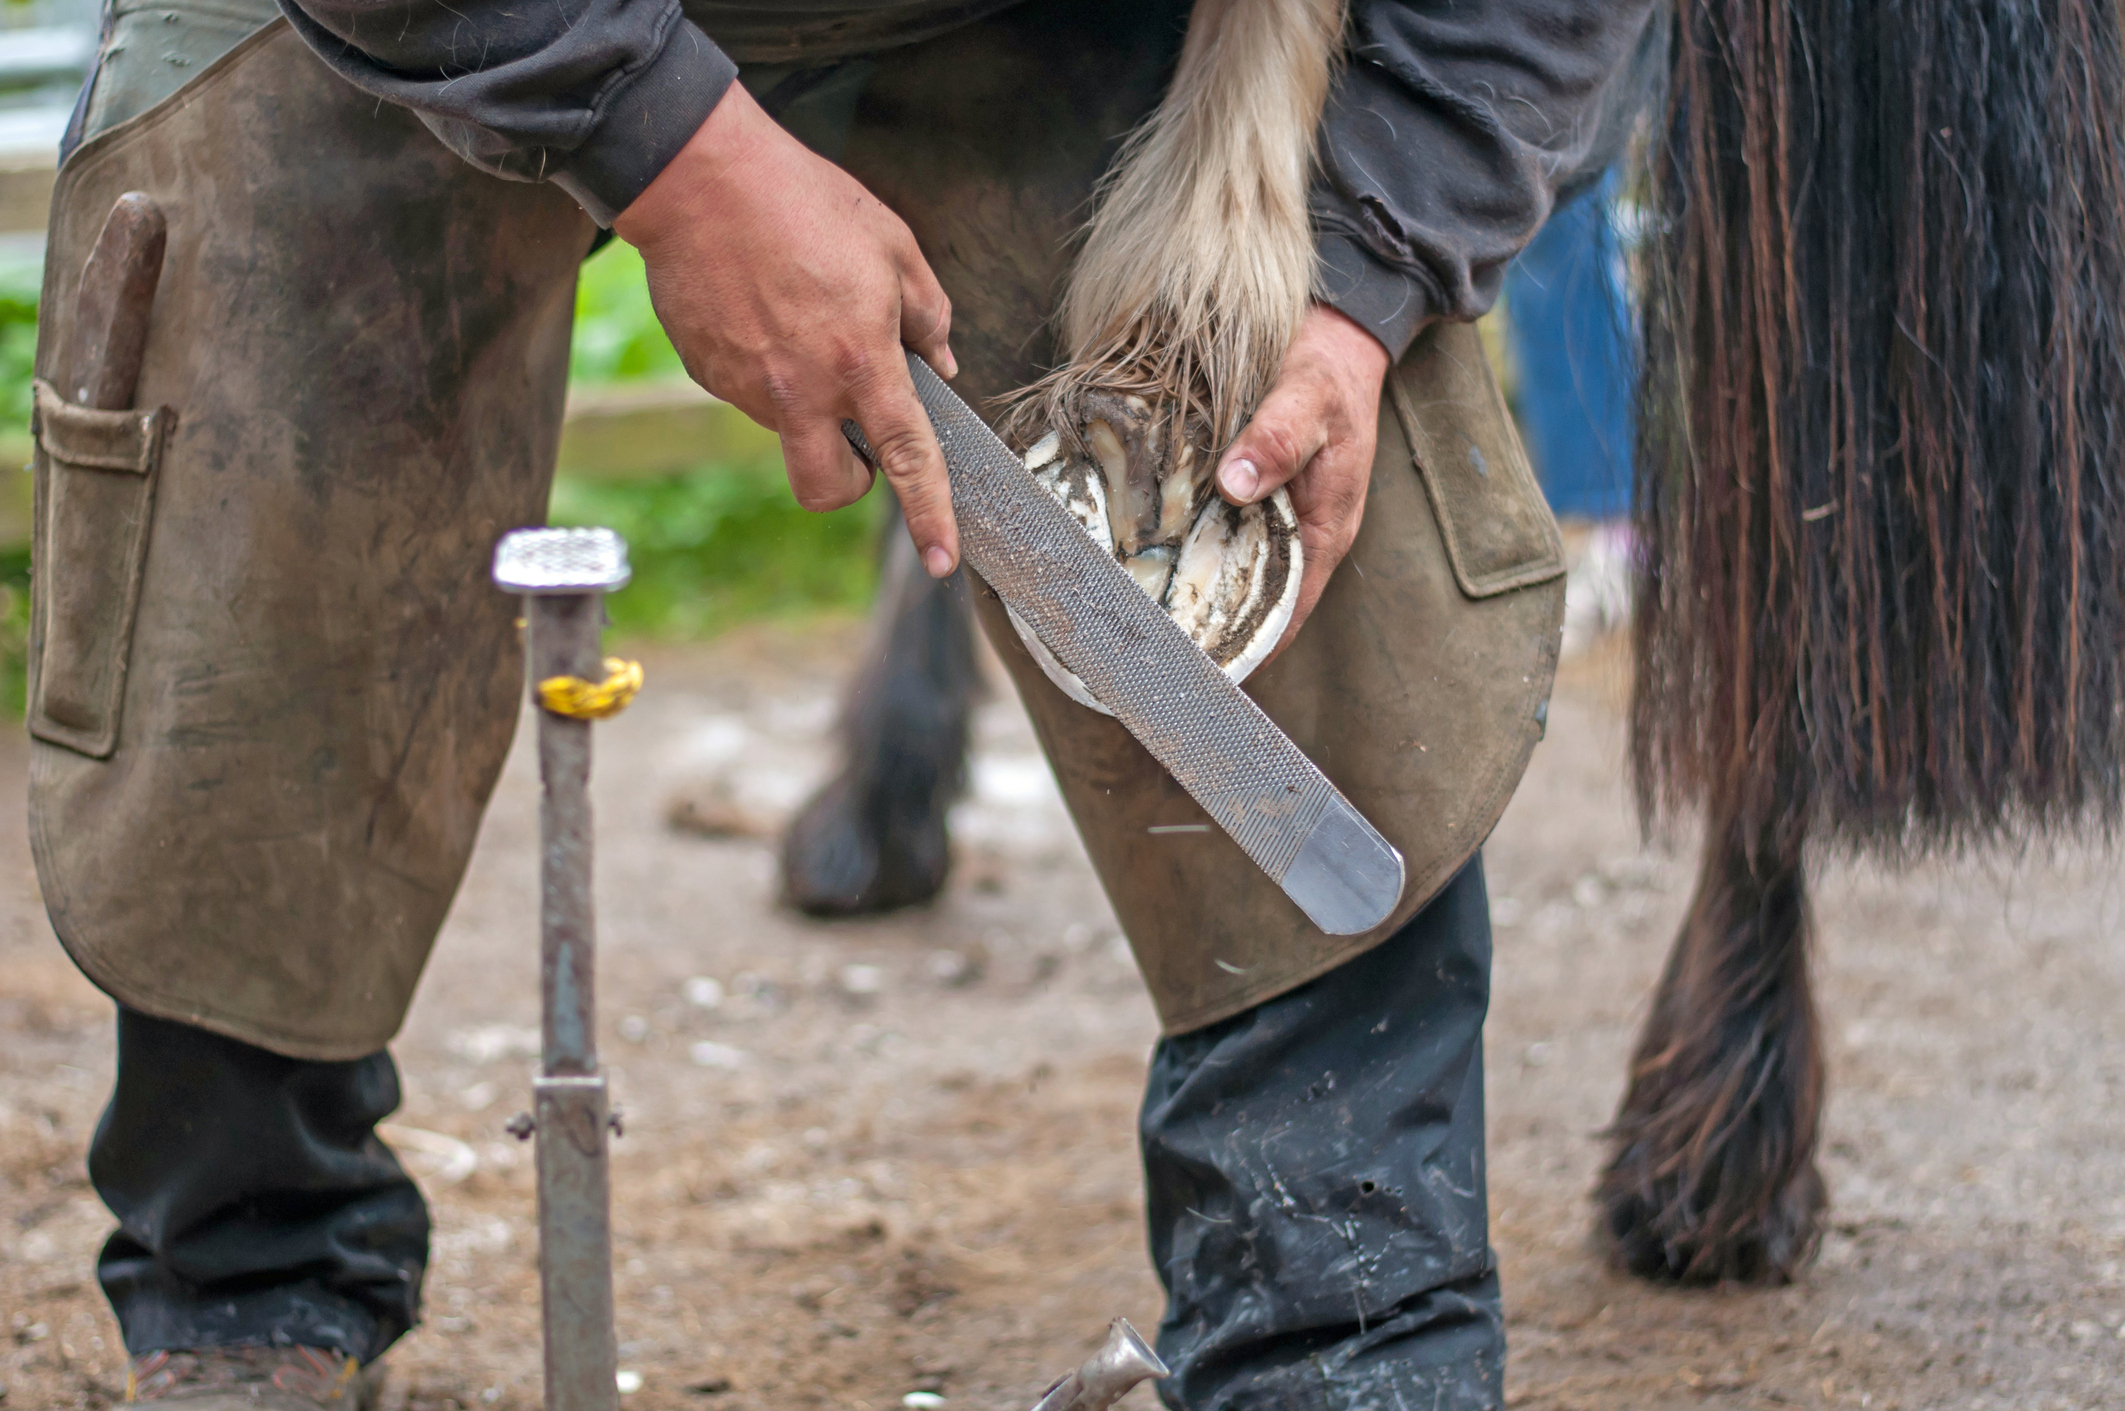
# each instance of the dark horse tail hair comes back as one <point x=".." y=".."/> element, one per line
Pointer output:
<point x="1881" y="592"/>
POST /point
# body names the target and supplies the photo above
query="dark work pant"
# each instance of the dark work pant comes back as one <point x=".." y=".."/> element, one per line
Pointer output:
<point x="1316" y="1186"/>
<point x="255" y="1202"/>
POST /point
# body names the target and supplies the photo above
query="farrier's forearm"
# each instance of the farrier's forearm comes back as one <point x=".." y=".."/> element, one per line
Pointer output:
<point x="1450" y="135"/>
<point x="595" y="95"/>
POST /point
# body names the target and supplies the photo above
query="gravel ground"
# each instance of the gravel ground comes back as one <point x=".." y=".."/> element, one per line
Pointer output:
<point x="873" y="1158"/>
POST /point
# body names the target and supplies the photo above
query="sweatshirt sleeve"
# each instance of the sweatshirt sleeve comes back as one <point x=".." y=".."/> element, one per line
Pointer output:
<point x="1450" y="134"/>
<point x="593" y="95"/>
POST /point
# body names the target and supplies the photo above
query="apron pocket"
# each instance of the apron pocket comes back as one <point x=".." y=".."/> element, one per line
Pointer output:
<point x="95" y="503"/>
<point x="1499" y="532"/>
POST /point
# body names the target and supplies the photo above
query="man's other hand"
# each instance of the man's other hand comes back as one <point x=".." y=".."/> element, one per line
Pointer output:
<point x="789" y="291"/>
<point x="1315" y="432"/>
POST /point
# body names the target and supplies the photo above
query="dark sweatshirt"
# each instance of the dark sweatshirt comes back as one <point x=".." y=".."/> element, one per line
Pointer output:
<point x="1454" y="128"/>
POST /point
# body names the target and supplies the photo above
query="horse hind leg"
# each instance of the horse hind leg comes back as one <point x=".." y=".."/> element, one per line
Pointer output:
<point x="1712" y="1174"/>
<point x="874" y="837"/>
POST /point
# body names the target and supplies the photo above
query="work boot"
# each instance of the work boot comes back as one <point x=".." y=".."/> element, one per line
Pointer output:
<point x="255" y="1379"/>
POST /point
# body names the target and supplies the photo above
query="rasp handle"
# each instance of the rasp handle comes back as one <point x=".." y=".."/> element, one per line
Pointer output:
<point x="1210" y="736"/>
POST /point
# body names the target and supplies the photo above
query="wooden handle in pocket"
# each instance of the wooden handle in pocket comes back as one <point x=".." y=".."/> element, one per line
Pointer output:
<point x="113" y="305"/>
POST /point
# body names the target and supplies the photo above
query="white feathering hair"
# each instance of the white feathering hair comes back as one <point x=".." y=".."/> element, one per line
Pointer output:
<point x="1198" y="262"/>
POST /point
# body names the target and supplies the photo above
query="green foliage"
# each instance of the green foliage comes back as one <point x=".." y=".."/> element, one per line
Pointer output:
<point x="14" y="630"/>
<point x="618" y="338"/>
<point x="726" y="544"/>
<point x="18" y="347"/>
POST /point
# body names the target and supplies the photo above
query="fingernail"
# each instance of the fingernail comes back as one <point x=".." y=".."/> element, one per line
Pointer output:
<point x="951" y="364"/>
<point x="937" y="561"/>
<point x="1239" y="479"/>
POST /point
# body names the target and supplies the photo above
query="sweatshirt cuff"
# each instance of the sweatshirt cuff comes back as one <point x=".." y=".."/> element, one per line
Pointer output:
<point x="645" y="119"/>
<point x="1389" y="304"/>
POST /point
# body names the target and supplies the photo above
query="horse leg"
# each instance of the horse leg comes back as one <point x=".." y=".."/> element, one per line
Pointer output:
<point x="873" y="838"/>
<point x="1712" y="1175"/>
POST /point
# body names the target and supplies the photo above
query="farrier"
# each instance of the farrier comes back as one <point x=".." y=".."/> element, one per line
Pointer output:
<point x="249" y="830"/>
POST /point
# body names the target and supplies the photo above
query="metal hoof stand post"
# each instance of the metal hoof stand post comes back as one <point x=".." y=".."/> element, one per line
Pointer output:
<point x="563" y="575"/>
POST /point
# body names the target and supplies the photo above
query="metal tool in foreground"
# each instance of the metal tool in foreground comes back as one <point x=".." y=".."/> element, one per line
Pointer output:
<point x="563" y="576"/>
<point x="1211" y="736"/>
<point x="1107" y="1375"/>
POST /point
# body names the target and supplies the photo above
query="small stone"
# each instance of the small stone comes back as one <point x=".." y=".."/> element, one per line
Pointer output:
<point x="922" y="1401"/>
<point x="716" y="812"/>
<point x="702" y="992"/>
<point x="862" y="979"/>
<point x="634" y="1028"/>
<point x="709" y="1386"/>
<point x="951" y="969"/>
<point x="627" y="1380"/>
<point x="709" y="1054"/>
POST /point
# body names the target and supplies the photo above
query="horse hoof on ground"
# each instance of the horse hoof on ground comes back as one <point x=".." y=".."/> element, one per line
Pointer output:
<point x="843" y="858"/>
<point x="1711" y="1176"/>
<point x="1644" y="1239"/>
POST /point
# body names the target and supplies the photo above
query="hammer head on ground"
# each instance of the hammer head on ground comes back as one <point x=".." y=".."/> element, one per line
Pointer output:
<point x="1121" y="1362"/>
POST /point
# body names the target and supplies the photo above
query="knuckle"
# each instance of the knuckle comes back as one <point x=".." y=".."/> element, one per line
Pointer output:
<point x="819" y="497"/>
<point x="1279" y="447"/>
<point x="903" y="453"/>
<point x="855" y="365"/>
<point x="782" y="392"/>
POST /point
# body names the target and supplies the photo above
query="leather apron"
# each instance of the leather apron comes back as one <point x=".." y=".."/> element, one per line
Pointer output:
<point x="271" y="683"/>
<point x="272" y="594"/>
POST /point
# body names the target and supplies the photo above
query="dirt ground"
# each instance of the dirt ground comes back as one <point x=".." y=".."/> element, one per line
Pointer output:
<point x="868" y="1159"/>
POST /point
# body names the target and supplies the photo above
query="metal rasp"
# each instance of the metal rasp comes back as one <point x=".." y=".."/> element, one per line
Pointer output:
<point x="1085" y="608"/>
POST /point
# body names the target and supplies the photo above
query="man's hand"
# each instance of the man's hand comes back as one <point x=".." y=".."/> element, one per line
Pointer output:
<point x="1314" y="431"/>
<point x="789" y="290"/>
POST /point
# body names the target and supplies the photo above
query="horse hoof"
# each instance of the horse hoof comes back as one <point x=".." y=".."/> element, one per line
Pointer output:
<point x="1649" y="1236"/>
<point x="1137" y="478"/>
<point x="840" y="858"/>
